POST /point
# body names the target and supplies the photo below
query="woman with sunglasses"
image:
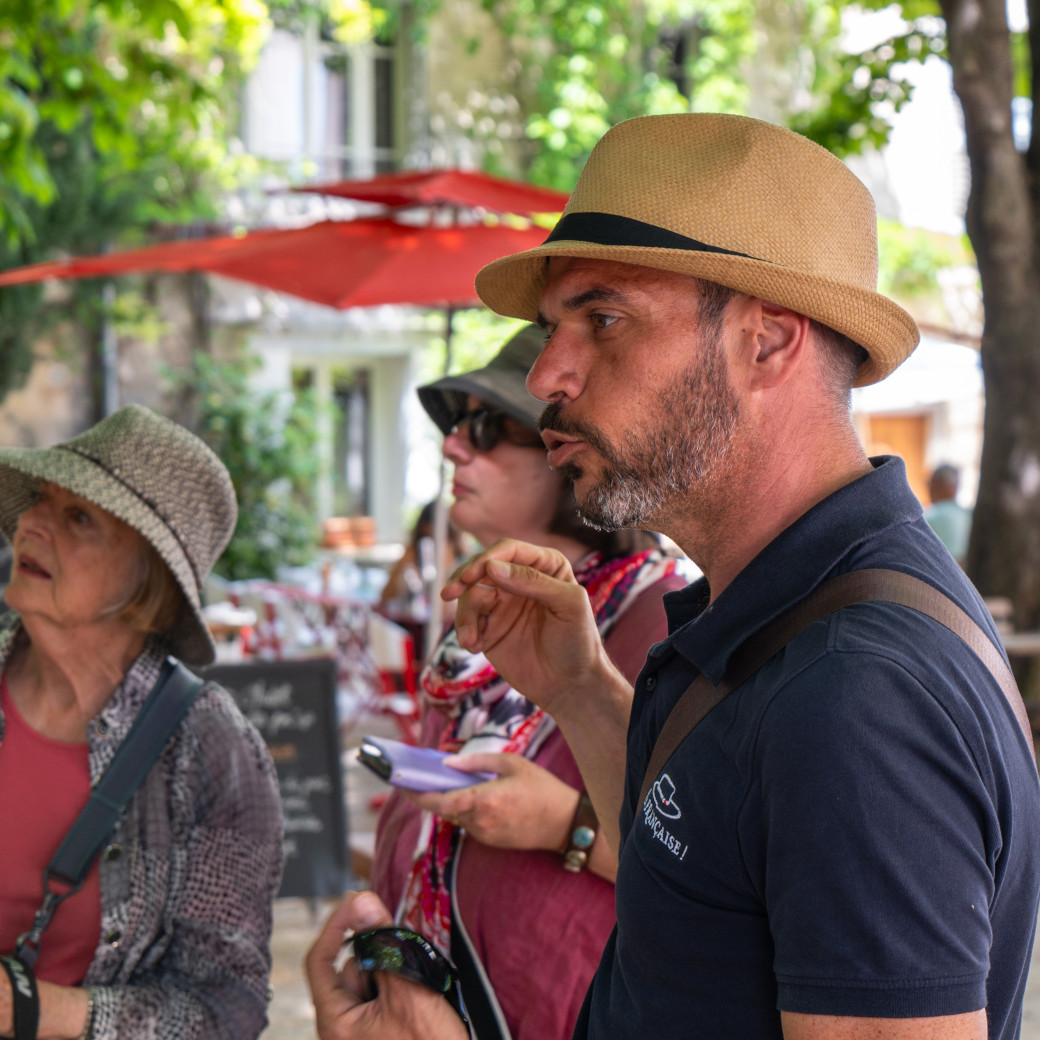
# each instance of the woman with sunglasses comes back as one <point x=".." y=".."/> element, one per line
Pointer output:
<point x="509" y="878"/>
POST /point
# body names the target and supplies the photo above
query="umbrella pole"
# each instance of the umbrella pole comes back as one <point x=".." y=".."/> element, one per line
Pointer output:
<point x="435" y="624"/>
<point x="449" y="317"/>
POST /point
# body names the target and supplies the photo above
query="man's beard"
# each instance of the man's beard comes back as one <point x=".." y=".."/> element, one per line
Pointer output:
<point x="677" y="446"/>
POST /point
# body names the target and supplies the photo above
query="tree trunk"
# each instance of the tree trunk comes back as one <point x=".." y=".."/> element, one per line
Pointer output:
<point x="98" y="363"/>
<point x="1004" y="556"/>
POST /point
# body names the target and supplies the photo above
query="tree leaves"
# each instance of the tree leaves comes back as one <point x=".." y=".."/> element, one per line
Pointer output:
<point x="137" y="78"/>
<point x="268" y="441"/>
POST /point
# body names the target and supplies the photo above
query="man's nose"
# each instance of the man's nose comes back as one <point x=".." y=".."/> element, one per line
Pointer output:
<point x="554" y="374"/>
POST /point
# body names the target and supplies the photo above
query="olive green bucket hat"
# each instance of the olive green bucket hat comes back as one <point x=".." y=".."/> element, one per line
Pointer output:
<point x="732" y="200"/>
<point x="501" y="383"/>
<point x="155" y="476"/>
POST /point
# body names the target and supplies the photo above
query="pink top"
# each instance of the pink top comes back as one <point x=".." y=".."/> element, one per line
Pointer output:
<point x="44" y="784"/>
<point x="538" y="929"/>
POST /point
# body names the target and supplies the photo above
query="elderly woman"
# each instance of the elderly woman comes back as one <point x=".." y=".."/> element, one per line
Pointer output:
<point x="508" y="877"/>
<point x="113" y="535"/>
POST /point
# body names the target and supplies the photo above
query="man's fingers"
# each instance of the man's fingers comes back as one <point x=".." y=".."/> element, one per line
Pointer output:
<point x="356" y="912"/>
<point x="520" y="579"/>
<point x="417" y="1011"/>
<point x="521" y="583"/>
<point x="473" y="571"/>
<point x="337" y="994"/>
<point x="361" y="910"/>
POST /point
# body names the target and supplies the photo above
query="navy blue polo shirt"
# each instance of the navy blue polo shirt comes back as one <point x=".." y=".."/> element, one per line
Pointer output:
<point x="853" y="831"/>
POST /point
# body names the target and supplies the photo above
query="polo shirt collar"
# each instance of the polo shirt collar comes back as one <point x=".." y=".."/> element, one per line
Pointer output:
<point x="787" y="569"/>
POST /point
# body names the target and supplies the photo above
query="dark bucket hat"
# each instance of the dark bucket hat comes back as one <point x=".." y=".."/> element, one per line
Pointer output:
<point x="155" y="476"/>
<point x="502" y="383"/>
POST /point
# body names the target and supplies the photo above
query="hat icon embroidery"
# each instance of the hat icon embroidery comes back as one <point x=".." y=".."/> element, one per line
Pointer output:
<point x="663" y="793"/>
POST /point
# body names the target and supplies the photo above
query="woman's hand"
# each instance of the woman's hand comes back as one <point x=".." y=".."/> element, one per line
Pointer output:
<point x="403" y="1010"/>
<point x="526" y="807"/>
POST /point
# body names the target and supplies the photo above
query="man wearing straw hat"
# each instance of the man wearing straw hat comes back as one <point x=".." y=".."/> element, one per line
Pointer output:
<point x="841" y="840"/>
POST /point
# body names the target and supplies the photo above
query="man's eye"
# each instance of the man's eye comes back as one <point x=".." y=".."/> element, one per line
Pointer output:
<point x="602" y="321"/>
<point x="80" y="516"/>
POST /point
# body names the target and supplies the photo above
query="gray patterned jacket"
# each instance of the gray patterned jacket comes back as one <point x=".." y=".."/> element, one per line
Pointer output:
<point x="190" y="875"/>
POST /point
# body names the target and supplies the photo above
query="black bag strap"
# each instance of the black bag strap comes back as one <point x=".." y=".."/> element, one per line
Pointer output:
<point x="487" y="1022"/>
<point x="162" y="712"/>
<point x="862" y="586"/>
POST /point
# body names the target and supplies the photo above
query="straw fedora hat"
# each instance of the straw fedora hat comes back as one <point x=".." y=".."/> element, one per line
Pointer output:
<point x="502" y="383"/>
<point x="736" y="201"/>
<point x="155" y="476"/>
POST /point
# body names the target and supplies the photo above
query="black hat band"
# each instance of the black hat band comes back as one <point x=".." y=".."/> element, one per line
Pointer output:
<point x="609" y="229"/>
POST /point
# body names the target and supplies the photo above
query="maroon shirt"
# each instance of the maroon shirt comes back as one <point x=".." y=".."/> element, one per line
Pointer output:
<point x="539" y="929"/>
<point x="44" y="784"/>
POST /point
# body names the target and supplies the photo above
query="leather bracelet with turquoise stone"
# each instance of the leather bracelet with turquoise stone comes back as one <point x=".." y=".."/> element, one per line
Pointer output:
<point x="582" y="835"/>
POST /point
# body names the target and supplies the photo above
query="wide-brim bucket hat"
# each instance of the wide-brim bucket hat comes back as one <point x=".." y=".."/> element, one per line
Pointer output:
<point x="501" y="383"/>
<point x="734" y="200"/>
<point x="155" y="476"/>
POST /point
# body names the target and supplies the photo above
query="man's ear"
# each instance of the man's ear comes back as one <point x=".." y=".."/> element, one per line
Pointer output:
<point x="779" y="344"/>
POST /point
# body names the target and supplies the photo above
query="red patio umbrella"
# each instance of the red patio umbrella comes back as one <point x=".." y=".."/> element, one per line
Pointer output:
<point x="357" y="263"/>
<point x="449" y="188"/>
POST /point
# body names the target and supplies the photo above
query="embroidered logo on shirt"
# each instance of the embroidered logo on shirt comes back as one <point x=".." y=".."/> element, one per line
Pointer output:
<point x="660" y="801"/>
<point x="664" y="797"/>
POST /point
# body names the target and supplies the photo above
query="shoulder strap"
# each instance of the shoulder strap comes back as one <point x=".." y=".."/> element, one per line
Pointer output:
<point x="862" y="586"/>
<point x="161" y="713"/>
<point x="159" y="716"/>
<point x="487" y="1022"/>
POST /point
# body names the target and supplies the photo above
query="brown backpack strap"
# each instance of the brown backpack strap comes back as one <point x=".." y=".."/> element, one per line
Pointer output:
<point x="863" y="586"/>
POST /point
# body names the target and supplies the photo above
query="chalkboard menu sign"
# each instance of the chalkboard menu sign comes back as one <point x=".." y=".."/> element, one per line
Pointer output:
<point x="293" y="705"/>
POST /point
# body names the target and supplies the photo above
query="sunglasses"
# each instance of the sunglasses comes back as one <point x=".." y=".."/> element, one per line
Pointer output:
<point x="408" y="954"/>
<point x="485" y="427"/>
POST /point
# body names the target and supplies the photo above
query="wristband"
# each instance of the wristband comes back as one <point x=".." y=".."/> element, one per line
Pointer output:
<point x="581" y="836"/>
<point x="25" y="1001"/>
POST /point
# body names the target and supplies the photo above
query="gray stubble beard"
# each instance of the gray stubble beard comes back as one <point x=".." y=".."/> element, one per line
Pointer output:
<point x="697" y="418"/>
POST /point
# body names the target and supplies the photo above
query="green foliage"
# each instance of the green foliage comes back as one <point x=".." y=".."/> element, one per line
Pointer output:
<point x="118" y="116"/>
<point x="590" y="64"/>
<point x="477" y="335"/>
<point x="910" y="259"/>
<point x="587" y="64"/>
<point x="19" y="310"/>
<point x="115" y="116"/>
<point x="345" y="21"/>
<point x="268" y="441"/>
<point x="1022" y="60"/>
<point x="145" y="88"/>
<point x="855" y="95"/>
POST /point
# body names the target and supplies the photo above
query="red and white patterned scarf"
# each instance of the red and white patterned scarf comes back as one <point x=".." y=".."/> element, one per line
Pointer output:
<point x="484" y="713"/>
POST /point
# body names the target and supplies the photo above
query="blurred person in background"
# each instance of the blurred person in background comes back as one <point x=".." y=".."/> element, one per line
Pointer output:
<point x="946" y="516"/>
<point x="410" y="579"/>
<point x="168" y="936"/>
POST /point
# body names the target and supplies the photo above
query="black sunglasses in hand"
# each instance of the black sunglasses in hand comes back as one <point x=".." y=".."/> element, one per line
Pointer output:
<point x="485" y="427"/>
<point x="410" y="955"/>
